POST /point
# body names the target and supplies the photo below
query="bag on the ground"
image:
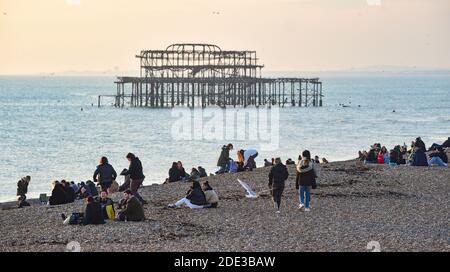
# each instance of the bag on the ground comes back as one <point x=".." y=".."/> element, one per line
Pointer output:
<point x="76" y="218"/>
<point x="110" y="212"/>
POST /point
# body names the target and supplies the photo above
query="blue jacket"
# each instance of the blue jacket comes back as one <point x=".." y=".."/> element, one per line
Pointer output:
<point x="419" y="158"/>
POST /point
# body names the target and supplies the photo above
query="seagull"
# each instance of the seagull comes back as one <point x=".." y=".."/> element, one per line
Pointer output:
<point x="248" y="189"/>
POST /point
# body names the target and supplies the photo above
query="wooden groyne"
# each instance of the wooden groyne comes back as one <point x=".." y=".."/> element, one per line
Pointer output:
<point x="202" y="75"/>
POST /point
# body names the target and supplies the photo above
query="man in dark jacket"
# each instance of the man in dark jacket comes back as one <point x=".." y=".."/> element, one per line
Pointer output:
<point x="93" y="214"/>
<point x="132" y="210"/>
<point x="136" y="176"/>
<point x="224" y="158"/>
<point x="277" y="177"/>
<point x="106" y="174"/>
<point x="22" y="186"/>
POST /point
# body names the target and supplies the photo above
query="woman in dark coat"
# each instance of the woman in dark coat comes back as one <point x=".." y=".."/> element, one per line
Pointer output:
<point x="277" y="177"/>
<point x="59" y="195"/>
<point x="174" y="173"/>
<point x="93" y="214"/>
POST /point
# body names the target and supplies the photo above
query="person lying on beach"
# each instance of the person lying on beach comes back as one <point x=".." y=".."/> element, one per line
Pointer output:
<point x="104" y="174"/>
<point x="438" y="157"/>
<point x="195" y="198"/>
<point x="446" y="143"/>
<point x="132" y="209"/>
<point x="305" y="180"/>
<point x="212" y="199"/>
<point x="22" y="186"/>
<point x="107" y="205"/>
<point x="277" y="176"/>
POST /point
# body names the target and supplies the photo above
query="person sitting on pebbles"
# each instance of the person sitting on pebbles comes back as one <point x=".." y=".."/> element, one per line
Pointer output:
<point x="212" y="199"/>
<point x="132" y="209"/>
<point x="194" y="199"/>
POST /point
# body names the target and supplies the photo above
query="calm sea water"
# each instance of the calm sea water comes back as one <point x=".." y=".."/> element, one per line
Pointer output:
<point x="44" y="133"/>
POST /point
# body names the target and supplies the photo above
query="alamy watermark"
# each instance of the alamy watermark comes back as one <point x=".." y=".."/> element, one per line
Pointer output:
<point x="260" y="125"/>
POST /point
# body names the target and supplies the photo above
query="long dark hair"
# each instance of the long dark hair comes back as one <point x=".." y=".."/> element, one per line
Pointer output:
<point x="306" y="154"/>
<point x="196" y="185"/>
<point x="174" y="165"/>
<point x="131" y="156"/>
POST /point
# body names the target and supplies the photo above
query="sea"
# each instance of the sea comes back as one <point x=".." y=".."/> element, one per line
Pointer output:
<point x="52" y="129"/>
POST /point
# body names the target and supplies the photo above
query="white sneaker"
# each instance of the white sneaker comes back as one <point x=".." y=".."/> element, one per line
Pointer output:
<point x="277" y="212"/>
<point x="307" y="209"/>
<point x="300" y="206"/>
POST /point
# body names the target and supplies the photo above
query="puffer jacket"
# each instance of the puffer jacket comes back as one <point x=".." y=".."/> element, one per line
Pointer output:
<point x="306" y="174"/>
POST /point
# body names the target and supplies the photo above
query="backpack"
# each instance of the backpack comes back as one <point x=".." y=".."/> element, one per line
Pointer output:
<point x="76" y="218"/>
<point x="110" y="212"/>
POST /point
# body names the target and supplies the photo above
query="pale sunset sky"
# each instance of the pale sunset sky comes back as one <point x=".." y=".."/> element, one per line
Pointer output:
<point x="54" y="36"/>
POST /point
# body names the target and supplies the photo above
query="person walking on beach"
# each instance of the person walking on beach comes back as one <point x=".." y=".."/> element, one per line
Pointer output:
<point x="224" y="158"/>
<point x="136" y="176"/>
<point x="105" y="173"/>
<point x="277" y="177"/>
<point x="22" y="186"/>
<point x="306" y="180"/>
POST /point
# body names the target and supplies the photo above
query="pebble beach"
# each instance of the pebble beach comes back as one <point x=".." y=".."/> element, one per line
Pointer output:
<point x="400" y="208"/>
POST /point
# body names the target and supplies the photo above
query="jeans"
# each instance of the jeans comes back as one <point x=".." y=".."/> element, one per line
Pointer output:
<point x="436" y="160"/>
<point x="305" y="192"/>
<point x="187" y="202"/>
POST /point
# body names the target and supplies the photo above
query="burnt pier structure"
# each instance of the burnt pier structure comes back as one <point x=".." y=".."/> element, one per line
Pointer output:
<point x="203" y="75"/>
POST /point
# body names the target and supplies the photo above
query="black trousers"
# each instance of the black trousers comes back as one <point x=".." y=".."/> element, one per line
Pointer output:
<point x="277" y="193"/>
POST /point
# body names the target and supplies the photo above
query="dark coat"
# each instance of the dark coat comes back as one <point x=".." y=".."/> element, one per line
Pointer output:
<point x="202" y="172"/>
<point x="420" y="144"/>
<point x="305" y="178"/>
<point x="70" y="193"/>
<point x="224" y="157"/>
<point x="196" y="196"/>
<point x="174" y="174"/>
<point x="58" y="196"/>
<point x="419" y="158"/>
<point x="446" y="143"/>
<point x="93" y="214"/>
<point x="133" y="210"/>
<point x="278" y="175"/>
<point x="135" y="170"/>
<point x="22" y="187"/>
<point x="92" y="188"/>
<point x="106" y="174"/>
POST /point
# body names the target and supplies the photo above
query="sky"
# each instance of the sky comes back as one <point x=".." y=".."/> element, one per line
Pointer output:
<point x="55" y="36"/>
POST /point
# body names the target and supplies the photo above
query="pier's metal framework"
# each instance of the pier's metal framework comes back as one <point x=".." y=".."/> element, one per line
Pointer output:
<point x="202" y="75"/>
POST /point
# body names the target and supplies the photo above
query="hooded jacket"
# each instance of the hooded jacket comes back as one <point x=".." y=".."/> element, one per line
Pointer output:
<point x="278" y="175"/>
<point x="106" y="174"/>
<point x="224" y="157"/>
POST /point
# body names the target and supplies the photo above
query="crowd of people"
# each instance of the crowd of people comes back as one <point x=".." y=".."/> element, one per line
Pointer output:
<point x="99" y="207"/>
<point x="416" y="155"/>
